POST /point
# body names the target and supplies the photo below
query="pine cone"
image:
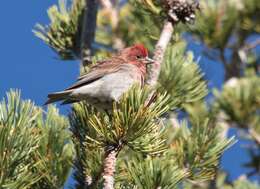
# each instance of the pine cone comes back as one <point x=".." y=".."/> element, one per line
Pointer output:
<point x="181" y="10"/>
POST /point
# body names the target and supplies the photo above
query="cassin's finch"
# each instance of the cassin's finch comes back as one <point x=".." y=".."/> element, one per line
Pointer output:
<point x="107" y="80"/>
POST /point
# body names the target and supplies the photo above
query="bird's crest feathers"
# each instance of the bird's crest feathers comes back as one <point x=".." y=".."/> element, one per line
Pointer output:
<point x="142" y="49"/>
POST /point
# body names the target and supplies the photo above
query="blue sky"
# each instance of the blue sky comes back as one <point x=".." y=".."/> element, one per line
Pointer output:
<point x="29" y="65"/>
<point x="26" y="63"/>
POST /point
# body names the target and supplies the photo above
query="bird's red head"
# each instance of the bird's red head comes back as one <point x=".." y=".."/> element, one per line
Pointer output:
<point x="136" y="52"/>
<point x="139" y="50"/>
<point x="136" y="55"/>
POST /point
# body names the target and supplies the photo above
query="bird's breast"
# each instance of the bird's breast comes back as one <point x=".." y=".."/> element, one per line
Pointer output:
<point x="110" y="87"/>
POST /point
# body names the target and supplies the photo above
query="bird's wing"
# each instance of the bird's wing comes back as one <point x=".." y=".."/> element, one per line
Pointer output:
<point x="105" y="64"/>
<point x="96" y="72"/>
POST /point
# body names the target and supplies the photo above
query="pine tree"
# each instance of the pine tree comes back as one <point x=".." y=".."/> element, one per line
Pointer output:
<point x="173" y="138"/>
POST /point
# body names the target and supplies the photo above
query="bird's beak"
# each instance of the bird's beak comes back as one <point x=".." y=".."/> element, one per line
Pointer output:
<point x="149" y="60"/>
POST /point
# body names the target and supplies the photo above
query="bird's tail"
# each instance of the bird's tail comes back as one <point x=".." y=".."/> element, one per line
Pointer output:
<point x="58" y="96"/>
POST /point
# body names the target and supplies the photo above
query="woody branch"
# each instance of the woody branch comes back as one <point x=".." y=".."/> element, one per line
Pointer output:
<point x="159" y="52"/>
<point x="177" y="11"/>
<point x="109" y="168"/>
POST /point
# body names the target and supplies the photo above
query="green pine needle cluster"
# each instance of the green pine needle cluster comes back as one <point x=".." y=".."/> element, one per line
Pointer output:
<point x="89" y="158"/>
<point x="35" y="152"/>
<point x="153" y="172"/>
<point x="240" y="101"/>
<point x="19" y="141"/>
<point x="217" y="22"/>
<point x="63" y="34"/>
<point x="135" y="124"/>
<point x="132" y="123"/>
<point x="199" y="148"/>
<point x="222" y="183"/>
<point x="181" y="77"/>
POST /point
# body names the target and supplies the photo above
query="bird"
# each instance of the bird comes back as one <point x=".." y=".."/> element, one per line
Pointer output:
<point x="107" y="80"/>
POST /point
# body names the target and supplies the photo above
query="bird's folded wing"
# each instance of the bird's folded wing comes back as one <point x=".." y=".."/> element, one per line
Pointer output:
<point x="104" y="65"/>
<point x="96" y="73"/>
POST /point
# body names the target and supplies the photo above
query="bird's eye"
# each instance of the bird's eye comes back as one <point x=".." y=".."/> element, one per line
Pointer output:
<point x="138" y="56"/>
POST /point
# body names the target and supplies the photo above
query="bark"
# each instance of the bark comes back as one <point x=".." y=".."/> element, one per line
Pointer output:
<point x="109" y="169"/>
<point x="160" y="49"/>
<point x="88" y="30"/>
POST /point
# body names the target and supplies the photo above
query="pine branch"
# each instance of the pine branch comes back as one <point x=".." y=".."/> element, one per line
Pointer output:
<point x="109" y="168"/>
<point x="176" y="11"/>
<point x="132" y="124"/>
<point x="239" y="93"/>
<point x="88" y="163"/>
<point x="199" y="149"/>
<point x="35" y="148"/>
<point x="181" y="77"/>
<point x="88" y="30"/>
<point x="160" y="49"/>
<point x="146" y="172"/>
<point x="63" y="33"/>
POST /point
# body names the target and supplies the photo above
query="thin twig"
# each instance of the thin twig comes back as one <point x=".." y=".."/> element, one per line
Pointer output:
<point x="88" y="30"/>
<point x="160" y="49"/>
<point x="252" y="45"/>
<point x="255" y="135"/>
<point x="223" y="59"/>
